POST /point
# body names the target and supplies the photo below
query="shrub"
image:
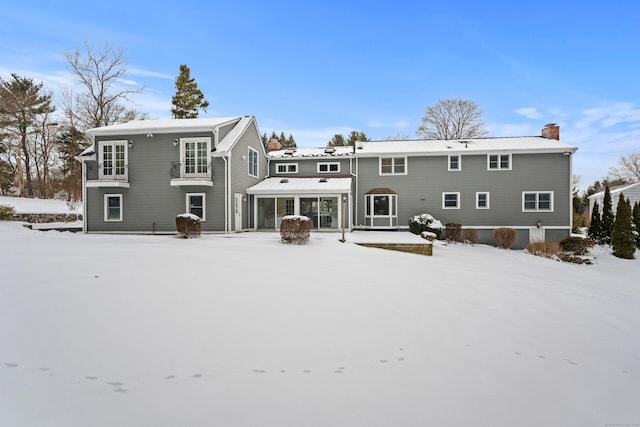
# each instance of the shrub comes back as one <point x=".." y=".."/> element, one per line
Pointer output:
<point x="623" y="237"/>
<point x="425" y="222"/>
<point x="188" y="225"/>
<point x="577" y="245"/>
<point x="453" y="231"/>
<point x="7" y="213"/>
<point x="572" y="258"/>
<point x="295" y="229"/>
<point x="504" y="237"/>
<point x="546" y="249"/>
<point x="470" y="236"/>
<point x="427" y="235"/>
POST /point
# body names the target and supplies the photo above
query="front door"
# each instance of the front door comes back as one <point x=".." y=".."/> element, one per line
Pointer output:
<point x="238" y="212"/>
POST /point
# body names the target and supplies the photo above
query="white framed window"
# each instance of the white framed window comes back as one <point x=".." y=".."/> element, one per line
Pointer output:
<point x="536" y="201"/>
<point x="450" y="200"/>
<point x="329" y="167"/>
<point x="455" y="162"/>
<point x="253" y="162"/>
<point x="113" y="158"/>
<point x="499" y="161"/>
<point x="482" y="200"/>
<point x="196" y="205"/>
<point x="113" y="207"/>
<point x="286" y="168"/>
<point x="194" y="157"/>
<point x="381" y="205"/>
<point x="393" y="166"/>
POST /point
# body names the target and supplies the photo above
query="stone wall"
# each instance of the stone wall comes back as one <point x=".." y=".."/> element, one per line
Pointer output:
<point x="47" y="218"/>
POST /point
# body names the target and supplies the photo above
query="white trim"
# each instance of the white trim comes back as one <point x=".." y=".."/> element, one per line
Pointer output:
<point x="183" y="160"/>
<point x="499" y="168"/>
<point x="106" y="207"/>
<point x="328" y="165"/>
<point x="287" y="166"/>
<point x="204" y="204"/>
<point x="537" y="209"/>
<point x="257" y="161"/>
<point x="113" y="176"/>
<point x="488" y="200"/>
<point x="393" y="165"/>
<point x="445" y="193"/>
<point x="459" y="168"/>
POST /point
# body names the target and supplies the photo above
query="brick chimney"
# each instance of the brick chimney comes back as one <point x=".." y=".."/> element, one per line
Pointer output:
<point x="274" y="145"/>
<point x="551" y="131"/>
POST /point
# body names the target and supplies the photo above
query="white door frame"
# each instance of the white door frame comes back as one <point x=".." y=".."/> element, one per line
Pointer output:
<point x="238" y="211"/>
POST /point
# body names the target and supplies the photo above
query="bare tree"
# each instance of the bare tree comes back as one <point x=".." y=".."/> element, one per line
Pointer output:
<point x="627" y="169"/>
<point x="452" y="119"/>
<point x="100" y="71"/>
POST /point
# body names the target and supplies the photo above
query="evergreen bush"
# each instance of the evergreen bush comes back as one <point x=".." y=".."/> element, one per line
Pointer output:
<point x="607" y="217"/>
<point x="595" y="229"/>
<point x="188" y="225"/>
<point x="425" y="222"/>
<point x="295" y="229"/>
<point x="504" y="237"/>
<point x="636" y="222"/>
<point x="7" y="213"/>
<point x="623" y="238"/>
<point x="577" y="245"/>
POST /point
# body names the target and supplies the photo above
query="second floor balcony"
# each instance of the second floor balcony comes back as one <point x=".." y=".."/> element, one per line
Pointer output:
<point x="191" y="173"/>
<point x="108" y="175"/>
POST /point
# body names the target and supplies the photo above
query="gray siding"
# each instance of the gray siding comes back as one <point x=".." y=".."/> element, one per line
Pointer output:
<point x="420" y="191"/>
<point x="151" y="202"/>
<point x="309" y="166"/>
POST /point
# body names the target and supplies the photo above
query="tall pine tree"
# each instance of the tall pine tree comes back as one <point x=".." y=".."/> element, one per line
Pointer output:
<point x="607" y="217"/>
<point x="188" y="98"/>
<point x="595" y="229"/>
<point x="623" y="240"/>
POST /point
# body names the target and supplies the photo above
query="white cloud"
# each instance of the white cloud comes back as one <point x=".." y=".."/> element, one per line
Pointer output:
<point x="529" y="112"/>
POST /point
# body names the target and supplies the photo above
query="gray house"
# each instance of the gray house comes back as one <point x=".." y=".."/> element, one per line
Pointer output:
<point x="631" y="192"/>
<point x="484" y="184"/>
<point x="139" y="175"/>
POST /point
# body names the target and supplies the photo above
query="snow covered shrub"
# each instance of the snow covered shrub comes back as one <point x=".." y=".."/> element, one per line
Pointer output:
<point x="188" y="225"/>
<point x="428" y="235"/>
<point x="470" y="236"/>
<point x="453" y="231"/>
<point x="505" y="237"/>
<point x="546" y="249"/>
<point x="425" y="222"/>
<point x="577" y="245"/>
<point x="7" y="213"/>
<point x="295" y="229"/>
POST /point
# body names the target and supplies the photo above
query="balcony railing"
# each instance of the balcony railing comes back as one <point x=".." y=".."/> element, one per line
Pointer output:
<point x="113" y="173"/>
<point x="182" y="173"/>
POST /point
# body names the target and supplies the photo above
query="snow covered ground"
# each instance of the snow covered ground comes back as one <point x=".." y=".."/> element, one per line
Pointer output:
<point x="41" y="206"/>
<point x="242" y="330"/>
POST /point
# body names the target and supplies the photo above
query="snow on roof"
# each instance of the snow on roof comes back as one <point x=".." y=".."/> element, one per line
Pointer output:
<point x="232" y="137"/>
<point x="433" y="146"/>
<point x="615" y="191"/>
<point x="162" y="126"/>
<point x="301" y="185"/>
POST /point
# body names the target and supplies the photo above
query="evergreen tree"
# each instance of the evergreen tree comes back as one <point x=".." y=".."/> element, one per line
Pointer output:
<point x="188" y="98"/>
<point x="636" y="222"/>
<point x="285" y="142"/>
<point x="595" y="229"/>
<point x="607" y="217"/>
<point x="338" y="140"/>
<point x="623" y="239"/>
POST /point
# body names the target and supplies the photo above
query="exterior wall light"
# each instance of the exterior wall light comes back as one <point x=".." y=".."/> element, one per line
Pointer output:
<point x="130" y="144"/>
<point x="539" y="224"/>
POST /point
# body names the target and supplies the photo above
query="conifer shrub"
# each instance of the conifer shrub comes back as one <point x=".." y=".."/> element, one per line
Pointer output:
<point x="636" y="222"/>
<point x="425" y="222"/>
<point x="572" y="258"/>
<point x="546" y="249"/>
<point x="470" y="236"/>
<point x="188" y="225"/>
<point x="623" y="237"/>
<point x="453" y="231"/>
<point x="608" y="218"/>
<point x="504" y="237"/>
<point x="595" y="228"/>
<point x="295" y="229"/>
<point x="577" y="245"/>
<point x="7" y="213"/>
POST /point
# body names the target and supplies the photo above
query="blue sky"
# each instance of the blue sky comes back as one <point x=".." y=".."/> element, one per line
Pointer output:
<point x="314" y="69"/>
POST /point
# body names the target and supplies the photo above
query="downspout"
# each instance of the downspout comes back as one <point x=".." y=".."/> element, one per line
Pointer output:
<point x="84" y="197"/>
<point x="570" y="194"/>
<point x="226" y="198"/>
<point x="228" y="201"/>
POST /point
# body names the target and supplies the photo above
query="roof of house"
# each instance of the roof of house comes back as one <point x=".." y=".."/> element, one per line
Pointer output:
<point x="529" y="144"/>
<point x="615" y="190"/>
<point x="301" y="185"/>
<point x="161" y="126"/>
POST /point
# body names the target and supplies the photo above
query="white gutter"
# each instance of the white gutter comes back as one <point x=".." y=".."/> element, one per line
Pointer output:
<point x="228" y="203"/>
<point x="226" y="198"/>
<point x="84" y="197"/>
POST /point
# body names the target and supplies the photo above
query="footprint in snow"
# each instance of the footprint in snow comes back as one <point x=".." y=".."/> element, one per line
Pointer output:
<point x="11" y="365"/>
<point x="91" y="377"/>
